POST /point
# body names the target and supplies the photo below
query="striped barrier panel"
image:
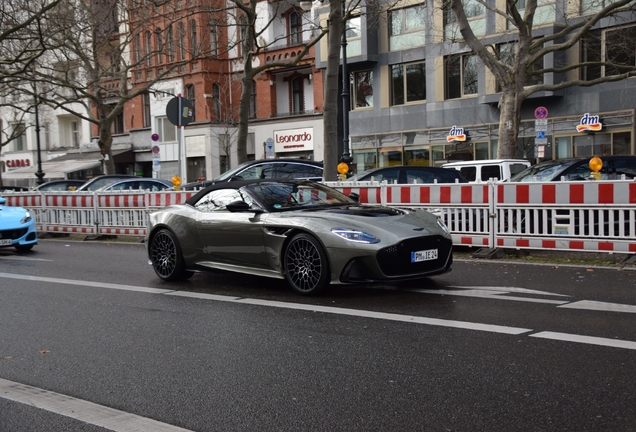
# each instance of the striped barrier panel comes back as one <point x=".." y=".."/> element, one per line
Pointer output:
<point x="369" y="192"/>
<point x="69" y="212"/>
<point x="162" y="199"/>
<point x="29" y="200"/>
<point x="593" y="216"/>
<point x="122" y="213"/>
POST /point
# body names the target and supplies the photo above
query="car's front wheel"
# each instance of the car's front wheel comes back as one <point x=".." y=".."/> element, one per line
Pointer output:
<point x="305" y="265"/>
<point x="166" y="257"/>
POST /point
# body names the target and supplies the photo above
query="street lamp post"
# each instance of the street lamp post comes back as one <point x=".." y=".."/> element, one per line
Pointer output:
<point x="39" y="174"/>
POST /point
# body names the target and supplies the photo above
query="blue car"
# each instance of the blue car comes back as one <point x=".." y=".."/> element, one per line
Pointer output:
<point x="17" y="227"/>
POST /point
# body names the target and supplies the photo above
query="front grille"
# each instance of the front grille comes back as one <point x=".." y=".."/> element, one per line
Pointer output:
<point x="13" y="234"/>
<point x="396" y="260"/>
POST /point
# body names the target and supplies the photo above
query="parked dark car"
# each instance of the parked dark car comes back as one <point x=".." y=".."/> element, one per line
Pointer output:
<point x="264" y="169"/>
<point x="60" y="185"/>
<point x="412" y="174"/>
<point x="141" y="183"/>
<point x="573" y="169"/>
<point x="103" y="180"/>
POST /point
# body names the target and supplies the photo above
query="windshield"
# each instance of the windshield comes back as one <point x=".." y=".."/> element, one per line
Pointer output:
<point x="545" y="171"/>
<point x="281" y="196"/>
<point x="228" y="174"/>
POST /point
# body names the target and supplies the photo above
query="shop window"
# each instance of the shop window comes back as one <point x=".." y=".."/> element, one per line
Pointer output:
<point x="622" y="143"/>
<point x="167" y="131"/>
<point x="407" y="27"/>
<point x="563" y="147"/>
<point x="390" y="157"/>
<point x="416" y="157"/>
<point x="408" y="83"/>
<point x="362" y="94"/>
<point x="481" y="151"/>
<point x="460" y="73"/>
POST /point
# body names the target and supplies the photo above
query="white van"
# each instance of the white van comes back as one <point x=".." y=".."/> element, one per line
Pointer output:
<point x="483" y="170"/>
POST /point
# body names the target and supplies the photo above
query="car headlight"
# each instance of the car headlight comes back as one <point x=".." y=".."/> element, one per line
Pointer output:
<point x="443" y="226"/>
<point x="355" y="236"/>
<point x="26" y="218"/>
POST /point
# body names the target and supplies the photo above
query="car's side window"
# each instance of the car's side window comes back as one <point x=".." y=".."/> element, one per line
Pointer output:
<point x="388" y="175"/>
<point x="469" y="173"/>
<point x="490" y="171"/>
<point x="419" y="176"/>
<point x="217" y="200"/>
<point x="625" y="166"/>
<point x="298" y="171"/>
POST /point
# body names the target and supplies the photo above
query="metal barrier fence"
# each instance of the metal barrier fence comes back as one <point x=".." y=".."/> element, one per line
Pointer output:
<point x="595" y="216"/>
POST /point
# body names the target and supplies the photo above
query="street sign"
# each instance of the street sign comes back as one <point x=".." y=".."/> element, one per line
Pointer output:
<point x="155" y="149"/>
<point x="269" y="148"/>
<point x="178" y="117"/>
<point x="156" y="165"/>
<point x="154" y="137"/>
<point x="541" y="141"/>
<point x="541" y="112"/>
<point x="541" y="125"/>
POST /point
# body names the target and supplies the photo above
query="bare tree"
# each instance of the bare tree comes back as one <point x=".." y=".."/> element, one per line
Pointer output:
<point x="96" y="53"/>
<point x="515" y="64"/>
<point x="252" y="43"/>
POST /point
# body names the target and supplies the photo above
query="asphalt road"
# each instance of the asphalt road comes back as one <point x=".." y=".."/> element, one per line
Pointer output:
<point x="92" y="340"/>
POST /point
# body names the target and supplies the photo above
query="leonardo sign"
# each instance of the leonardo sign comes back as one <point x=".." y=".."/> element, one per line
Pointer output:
<point x="291" y="140"/>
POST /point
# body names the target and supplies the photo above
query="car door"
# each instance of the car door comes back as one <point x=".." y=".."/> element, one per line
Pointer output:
<point x="226" y="237"/>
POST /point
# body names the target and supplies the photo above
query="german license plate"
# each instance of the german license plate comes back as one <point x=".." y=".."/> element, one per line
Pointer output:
<point x="425" y="255"/>
<point x="6" y="242"/>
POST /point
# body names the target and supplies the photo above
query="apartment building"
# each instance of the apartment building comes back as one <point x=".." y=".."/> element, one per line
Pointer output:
<point x="416" y="86"/>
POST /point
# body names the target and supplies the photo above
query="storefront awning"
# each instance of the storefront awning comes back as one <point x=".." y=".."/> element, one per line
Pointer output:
<point x="52" y="170"/>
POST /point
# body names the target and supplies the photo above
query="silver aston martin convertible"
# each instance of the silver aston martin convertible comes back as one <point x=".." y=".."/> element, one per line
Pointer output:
<point x="298" y="230"/>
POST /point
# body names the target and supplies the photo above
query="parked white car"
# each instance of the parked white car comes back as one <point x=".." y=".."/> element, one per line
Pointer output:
<point x="478" y="171"/>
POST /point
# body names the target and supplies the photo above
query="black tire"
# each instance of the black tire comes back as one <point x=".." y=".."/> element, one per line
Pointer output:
<point x="23" y="248"/>
<point x="166" y="257"/>
<point x="305" y="265"/>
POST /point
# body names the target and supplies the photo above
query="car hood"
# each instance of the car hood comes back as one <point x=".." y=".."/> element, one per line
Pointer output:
<point x="372" y="219"/>
<point x="11" y="216"/>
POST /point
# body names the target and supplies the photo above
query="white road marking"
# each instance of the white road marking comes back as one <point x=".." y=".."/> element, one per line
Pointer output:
<point x="81" y="410"/>
<point x="590" y="340"/>
<point x="600" y="306"/>
<point x="22" y="258"/>
<point x="497" y="295"/>
<point x="510" y="289"/>
<point x="85" y="283"/>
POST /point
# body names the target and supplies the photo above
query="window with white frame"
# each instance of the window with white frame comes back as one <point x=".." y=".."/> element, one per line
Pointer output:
<point x="76" y="134"/>
<point x="167" y="131"/>
<point x="362" y="89"/>
<point x="408" y="82"/>
<point x="460" y="75"/>
<point x="297" y="91"/>
<point x="19" y="140"/>
<point x="407" y="27"/>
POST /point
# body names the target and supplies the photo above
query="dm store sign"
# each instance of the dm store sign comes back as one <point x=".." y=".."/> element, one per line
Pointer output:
<point x="590" y="123"/>
<point x="456" y="134"/>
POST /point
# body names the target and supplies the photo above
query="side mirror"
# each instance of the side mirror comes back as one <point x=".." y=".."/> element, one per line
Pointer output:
<point x="354" y="196"/>
<point x="237" y="206"/>
<point x="235" y="178"/>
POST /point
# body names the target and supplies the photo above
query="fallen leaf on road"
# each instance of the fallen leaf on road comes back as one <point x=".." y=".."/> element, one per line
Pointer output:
<point x="44" y="351"/>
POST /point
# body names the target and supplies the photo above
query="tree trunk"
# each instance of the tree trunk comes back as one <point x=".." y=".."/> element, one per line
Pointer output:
<point x="330" y="117"/>
<point x="509" y="119"/>
<point x="244" y="114"/>
<point x="105" y="146"/>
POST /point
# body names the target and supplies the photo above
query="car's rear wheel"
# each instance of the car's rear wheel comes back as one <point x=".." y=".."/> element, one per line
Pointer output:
<point x="166" y="257"/>
<point x="305" y="265"/>
<point x="23" y="248"/>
